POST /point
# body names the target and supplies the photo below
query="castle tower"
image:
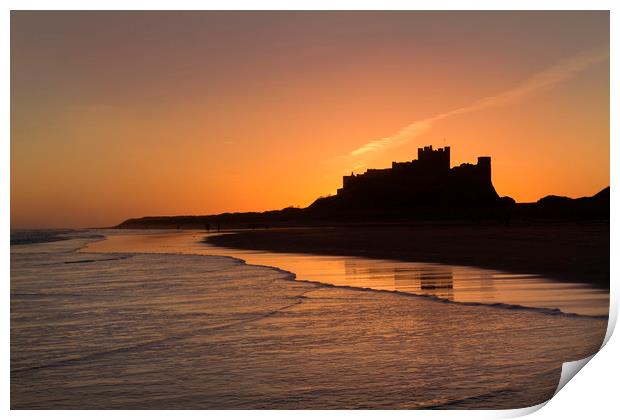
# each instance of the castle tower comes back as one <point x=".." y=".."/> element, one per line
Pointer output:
<point x="434" y="160"/>
<point x="484" y="166"/>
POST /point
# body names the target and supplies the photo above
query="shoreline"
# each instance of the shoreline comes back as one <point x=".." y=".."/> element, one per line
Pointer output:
<point x="300" y="276"/>
<point x="564" y="252"/>
<point x="346" y="325"/>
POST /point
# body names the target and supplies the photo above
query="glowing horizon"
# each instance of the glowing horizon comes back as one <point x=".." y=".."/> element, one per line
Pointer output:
<point x="117" y="115"/>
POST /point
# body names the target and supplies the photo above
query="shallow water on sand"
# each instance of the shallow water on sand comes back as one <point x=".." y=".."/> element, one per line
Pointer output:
<point x="454" y="283"/>
<point x="138" y="330"/>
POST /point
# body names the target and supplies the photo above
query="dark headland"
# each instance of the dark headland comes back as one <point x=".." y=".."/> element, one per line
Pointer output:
<point x="425" y="210"/>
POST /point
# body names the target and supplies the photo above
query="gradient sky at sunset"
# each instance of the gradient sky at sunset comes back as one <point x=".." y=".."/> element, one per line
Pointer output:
<point x="125" y="114"/>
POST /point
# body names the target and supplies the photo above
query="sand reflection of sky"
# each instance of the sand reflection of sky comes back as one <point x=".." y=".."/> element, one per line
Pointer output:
<point x="456" y="283"/>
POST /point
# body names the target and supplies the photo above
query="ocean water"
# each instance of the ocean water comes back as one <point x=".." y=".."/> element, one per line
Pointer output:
<point x="450" y="282"/>
<point x="95" y="325"/>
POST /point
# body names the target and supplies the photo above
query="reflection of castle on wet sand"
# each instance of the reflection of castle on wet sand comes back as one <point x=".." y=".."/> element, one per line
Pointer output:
<point x="434" y="279"/>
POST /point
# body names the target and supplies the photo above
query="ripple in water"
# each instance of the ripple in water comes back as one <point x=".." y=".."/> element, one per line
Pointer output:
<point x="94" y="330"/>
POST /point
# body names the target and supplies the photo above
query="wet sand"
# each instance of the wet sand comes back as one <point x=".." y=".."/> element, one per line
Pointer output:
<point x="566" y="252"/>
<point x="163" y="328"/>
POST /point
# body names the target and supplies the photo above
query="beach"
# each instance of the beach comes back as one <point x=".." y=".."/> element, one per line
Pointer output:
<point x="170" y="325"/>
<point x="568" y="252"/>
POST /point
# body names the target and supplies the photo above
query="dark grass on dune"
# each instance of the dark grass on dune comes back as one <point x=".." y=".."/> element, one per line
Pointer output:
<point x="564" y="251"/>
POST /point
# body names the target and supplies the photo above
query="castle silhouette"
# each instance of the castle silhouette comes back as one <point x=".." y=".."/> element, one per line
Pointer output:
<point x="427" y="181"/>
<point x="426" y="188"/>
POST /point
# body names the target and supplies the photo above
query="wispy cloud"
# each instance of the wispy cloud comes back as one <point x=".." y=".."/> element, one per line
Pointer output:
<point x="543" y="80"/>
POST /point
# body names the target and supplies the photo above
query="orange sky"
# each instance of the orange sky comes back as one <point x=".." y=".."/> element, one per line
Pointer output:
<point x="125" y="114"/>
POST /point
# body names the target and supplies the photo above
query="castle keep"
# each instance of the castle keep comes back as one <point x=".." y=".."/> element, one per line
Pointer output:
<point x="427" y="181"/>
